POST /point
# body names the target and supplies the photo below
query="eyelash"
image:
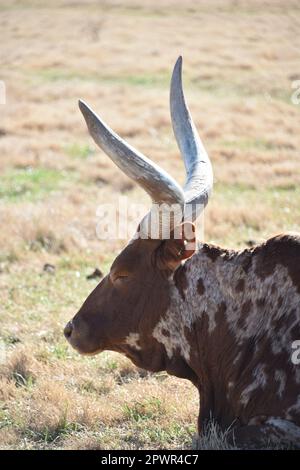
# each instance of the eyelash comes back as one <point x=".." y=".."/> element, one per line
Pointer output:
<point x="119" y="277"/>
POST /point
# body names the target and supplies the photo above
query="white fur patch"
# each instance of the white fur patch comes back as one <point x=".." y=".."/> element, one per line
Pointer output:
<point x="132" y="340"/>
<point x="259" y="381"/>
<point x="174" y="339"/>
<point x="280" y="377"/>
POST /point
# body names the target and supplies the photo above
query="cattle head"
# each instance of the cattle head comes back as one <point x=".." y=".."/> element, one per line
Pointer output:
<point x="122" y="311"/>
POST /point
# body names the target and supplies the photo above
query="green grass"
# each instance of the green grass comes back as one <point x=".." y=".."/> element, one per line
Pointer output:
<point x="281" y="204"/>
<point x="41" y="291"/>
<point x="10" y="339"/>
<point x="74" y="262"/>
<point x="29" y="184"/>
<point x="39" y="296"/>
<point x="147" y="409"/>
<point x="82" y="151"/>
<point x="239" y="192"/>
<point x="23" y="380"/>
<point x="5" y="419"/>
<point x="168" y="434"/>
<point x="60" y="350"/>
<point x="111" y="365"/>
<point x="237" y="85"/>
<point x="47" y="75"/>
<point x="246" y="144"/>
<point x="49" y="435"/>
<point x="7" y="258"/>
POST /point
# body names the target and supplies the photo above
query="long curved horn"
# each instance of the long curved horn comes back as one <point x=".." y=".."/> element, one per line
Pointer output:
<point x="160" y="186"/>
<point x="199" y="181"/>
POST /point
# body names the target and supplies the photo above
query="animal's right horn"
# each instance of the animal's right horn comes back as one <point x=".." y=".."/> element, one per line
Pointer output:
<point x="199" y="181"/>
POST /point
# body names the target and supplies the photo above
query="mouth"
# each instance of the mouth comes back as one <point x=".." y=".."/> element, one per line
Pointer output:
<point x="78" y="344"/>
<point x="82" y="351"/>
<point x="89" y="353"/>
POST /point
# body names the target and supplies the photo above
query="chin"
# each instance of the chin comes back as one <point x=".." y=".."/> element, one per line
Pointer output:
<point x="89" y="353"/>
<point x="85" y="351"/>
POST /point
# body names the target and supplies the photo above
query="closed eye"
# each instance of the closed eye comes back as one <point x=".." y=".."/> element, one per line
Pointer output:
<point x="115" y="277"/>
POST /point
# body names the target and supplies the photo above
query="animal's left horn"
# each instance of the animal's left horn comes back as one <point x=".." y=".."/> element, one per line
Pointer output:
<point x="160" y="186"/>
<point x="199" y="181"/>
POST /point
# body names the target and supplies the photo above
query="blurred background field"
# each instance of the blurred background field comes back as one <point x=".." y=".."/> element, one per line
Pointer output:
<point x="240" y="61"/>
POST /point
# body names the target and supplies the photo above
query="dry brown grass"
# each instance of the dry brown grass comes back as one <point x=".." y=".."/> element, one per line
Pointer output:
<point x="104" y="404"/>
<point x="240" y="59"/>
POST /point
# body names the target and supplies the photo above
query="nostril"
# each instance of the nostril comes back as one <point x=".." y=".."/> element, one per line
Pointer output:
<point x="68" y="329"/>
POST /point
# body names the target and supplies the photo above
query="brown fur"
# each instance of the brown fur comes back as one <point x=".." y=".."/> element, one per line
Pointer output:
<point x="200" y="287"/>
<point x="224" y="320"/>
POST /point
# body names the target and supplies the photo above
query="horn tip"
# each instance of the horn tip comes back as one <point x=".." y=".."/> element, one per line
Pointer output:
<point x="178" y="64"/>
<point x="82" y="105"/>
<point x="176" y="75"/>
<point x="86" y="112"/>
<point x="179" y="60"/>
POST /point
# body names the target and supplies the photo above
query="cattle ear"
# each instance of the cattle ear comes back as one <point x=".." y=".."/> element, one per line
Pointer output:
<point x="180" y="246"/>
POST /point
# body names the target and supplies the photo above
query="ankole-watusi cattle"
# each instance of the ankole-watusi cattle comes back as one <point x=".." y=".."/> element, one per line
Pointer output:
<point x="225" y="320"/>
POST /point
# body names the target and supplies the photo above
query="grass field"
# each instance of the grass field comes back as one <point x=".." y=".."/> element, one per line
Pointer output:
<point x="240" y="62"/>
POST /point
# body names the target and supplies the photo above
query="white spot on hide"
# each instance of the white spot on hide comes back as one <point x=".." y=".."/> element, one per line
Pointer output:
<point x="132" y="341"/>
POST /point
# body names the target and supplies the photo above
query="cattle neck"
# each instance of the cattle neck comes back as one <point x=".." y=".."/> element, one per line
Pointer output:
<point x="195" y="332"/>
